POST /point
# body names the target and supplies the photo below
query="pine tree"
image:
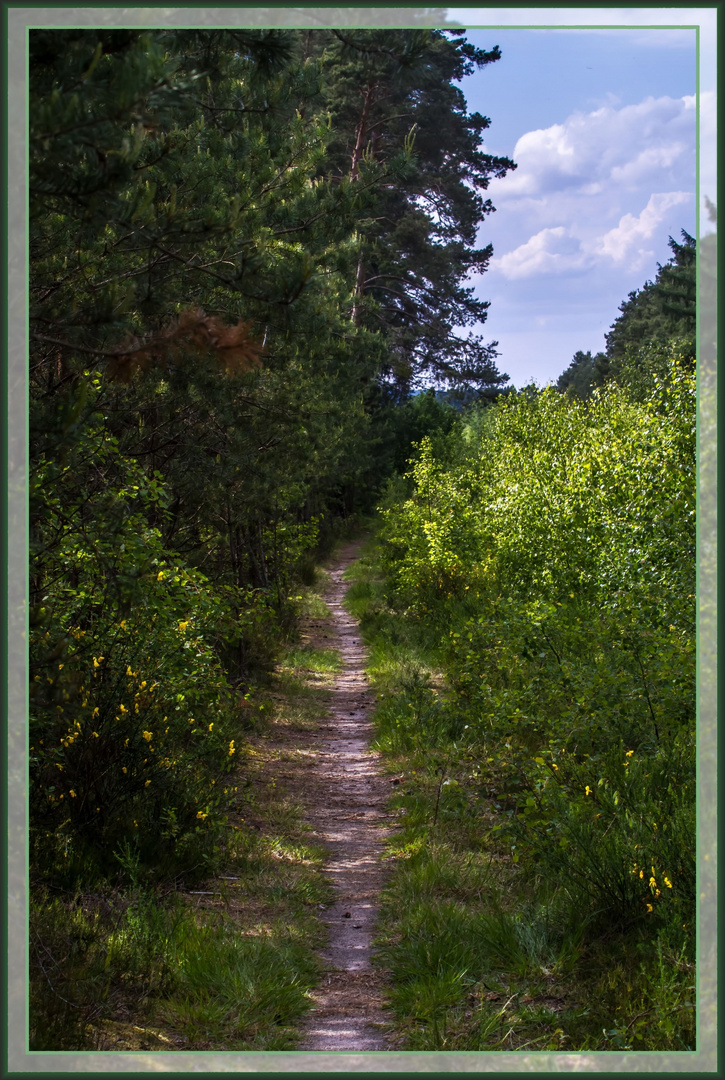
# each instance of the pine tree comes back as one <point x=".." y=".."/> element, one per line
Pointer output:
<point x="387" y="91"/>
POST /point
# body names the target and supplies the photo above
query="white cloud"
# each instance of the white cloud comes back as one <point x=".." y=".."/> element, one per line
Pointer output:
<point x="559" y="250"/>
<point x="582" y="195"/>
<point x="621" y="147"/>
<point x="549" y="251"/>
<point x="624" y="242"/>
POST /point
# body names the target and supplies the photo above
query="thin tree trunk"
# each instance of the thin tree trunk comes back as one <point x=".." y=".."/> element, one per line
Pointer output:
<point x="360" y="139"/>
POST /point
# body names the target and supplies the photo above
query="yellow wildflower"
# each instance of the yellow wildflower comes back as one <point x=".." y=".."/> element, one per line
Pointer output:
<point x="201" y="815"/>
<point x="649" y="908"/>
<point x="231" y="748"/>
<point x="124" y="769"/>
<point x="211" y="725"/>
<point x="160" y="575"/>
<point x="147" y="783"/>
<point x="148" y="735"/>
<point x="72" y="793"/>
<point x="667" y="882"/>
<point x="183" y="625"/>
<point x="588" y="789"/>
<point x="97" y="660"/>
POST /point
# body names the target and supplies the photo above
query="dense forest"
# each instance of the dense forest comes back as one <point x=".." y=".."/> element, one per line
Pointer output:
<point x="251" y="331"/>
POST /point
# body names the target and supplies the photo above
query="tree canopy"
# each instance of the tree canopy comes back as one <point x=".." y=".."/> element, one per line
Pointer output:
<point x="245" y="244"/>
<point x="650" y="318"/>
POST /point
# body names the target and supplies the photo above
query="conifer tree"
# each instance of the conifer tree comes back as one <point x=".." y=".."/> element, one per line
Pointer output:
<point x="387" y="90"/>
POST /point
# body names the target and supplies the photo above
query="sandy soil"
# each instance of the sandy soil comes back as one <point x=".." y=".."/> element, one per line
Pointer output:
<point x="346" y="797"/>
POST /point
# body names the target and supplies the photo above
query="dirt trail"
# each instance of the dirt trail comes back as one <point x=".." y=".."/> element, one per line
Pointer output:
<point x="347" y="813"/>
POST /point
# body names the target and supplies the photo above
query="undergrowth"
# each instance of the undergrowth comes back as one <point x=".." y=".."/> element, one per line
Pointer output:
<point x="221" y="955"/>
<point x="487" y="947"/>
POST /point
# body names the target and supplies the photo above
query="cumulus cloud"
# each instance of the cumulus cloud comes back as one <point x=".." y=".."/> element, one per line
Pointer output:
<point x="582" y="195"/>
<point x="559" y="250"/>
<point x="549" y="251"/>
<point x="622" y="147"/>
<point x="623" y="243"/>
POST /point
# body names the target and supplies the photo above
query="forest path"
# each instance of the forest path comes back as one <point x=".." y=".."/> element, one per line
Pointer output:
<point x="345" y="800"/>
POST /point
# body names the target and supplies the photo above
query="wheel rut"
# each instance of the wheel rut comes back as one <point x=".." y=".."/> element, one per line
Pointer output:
<point x="347" y="814"/>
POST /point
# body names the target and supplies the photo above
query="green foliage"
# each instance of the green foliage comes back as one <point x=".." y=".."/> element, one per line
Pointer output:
<point x="640" y="340"/>
<point x="209" y="985"/>
<point x="584" y="374"/>
<point x="547" y="558"/>
<point x="192" y="428"/>
<point x="392" y="93"/>
<point x="662" y="309"/>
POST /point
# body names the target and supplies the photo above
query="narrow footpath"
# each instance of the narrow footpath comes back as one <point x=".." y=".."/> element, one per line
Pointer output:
<point x="348" y="817"/>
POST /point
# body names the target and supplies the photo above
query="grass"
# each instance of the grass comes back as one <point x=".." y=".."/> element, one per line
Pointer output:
<point x="137" y="973"/>
<point x="483" y="953"/>
<point x="306" y="660"/>
<point x="225" y="962"/>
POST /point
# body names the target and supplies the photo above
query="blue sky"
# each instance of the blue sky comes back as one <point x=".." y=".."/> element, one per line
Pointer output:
<point x="602" y="126"/>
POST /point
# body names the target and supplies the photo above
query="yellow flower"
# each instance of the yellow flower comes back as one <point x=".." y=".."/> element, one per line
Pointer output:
<point x="641" y="873"/>
<point x="201" y="815"/>
<point x="97" y="660"/>
<point x="122" y="624"/>
<point x="629" y="753"/>
<point x="588" y="789"/>
<point x="160" y="575"/>
<point x="148" y="735"/>
<point x="95" y="711"/>
<point x="124" y="769"/>
<point x="122" y="709"/>
<point x="211" y="725"/>
<point x="183" y="625"/>
<point x="667" y="882"/>
<point x="231" y="748"/>
<point x="147" y="783"/>
<point x="72" y="793"/>
<point x="652" y="883"/>
<point x="649" y="908"/>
